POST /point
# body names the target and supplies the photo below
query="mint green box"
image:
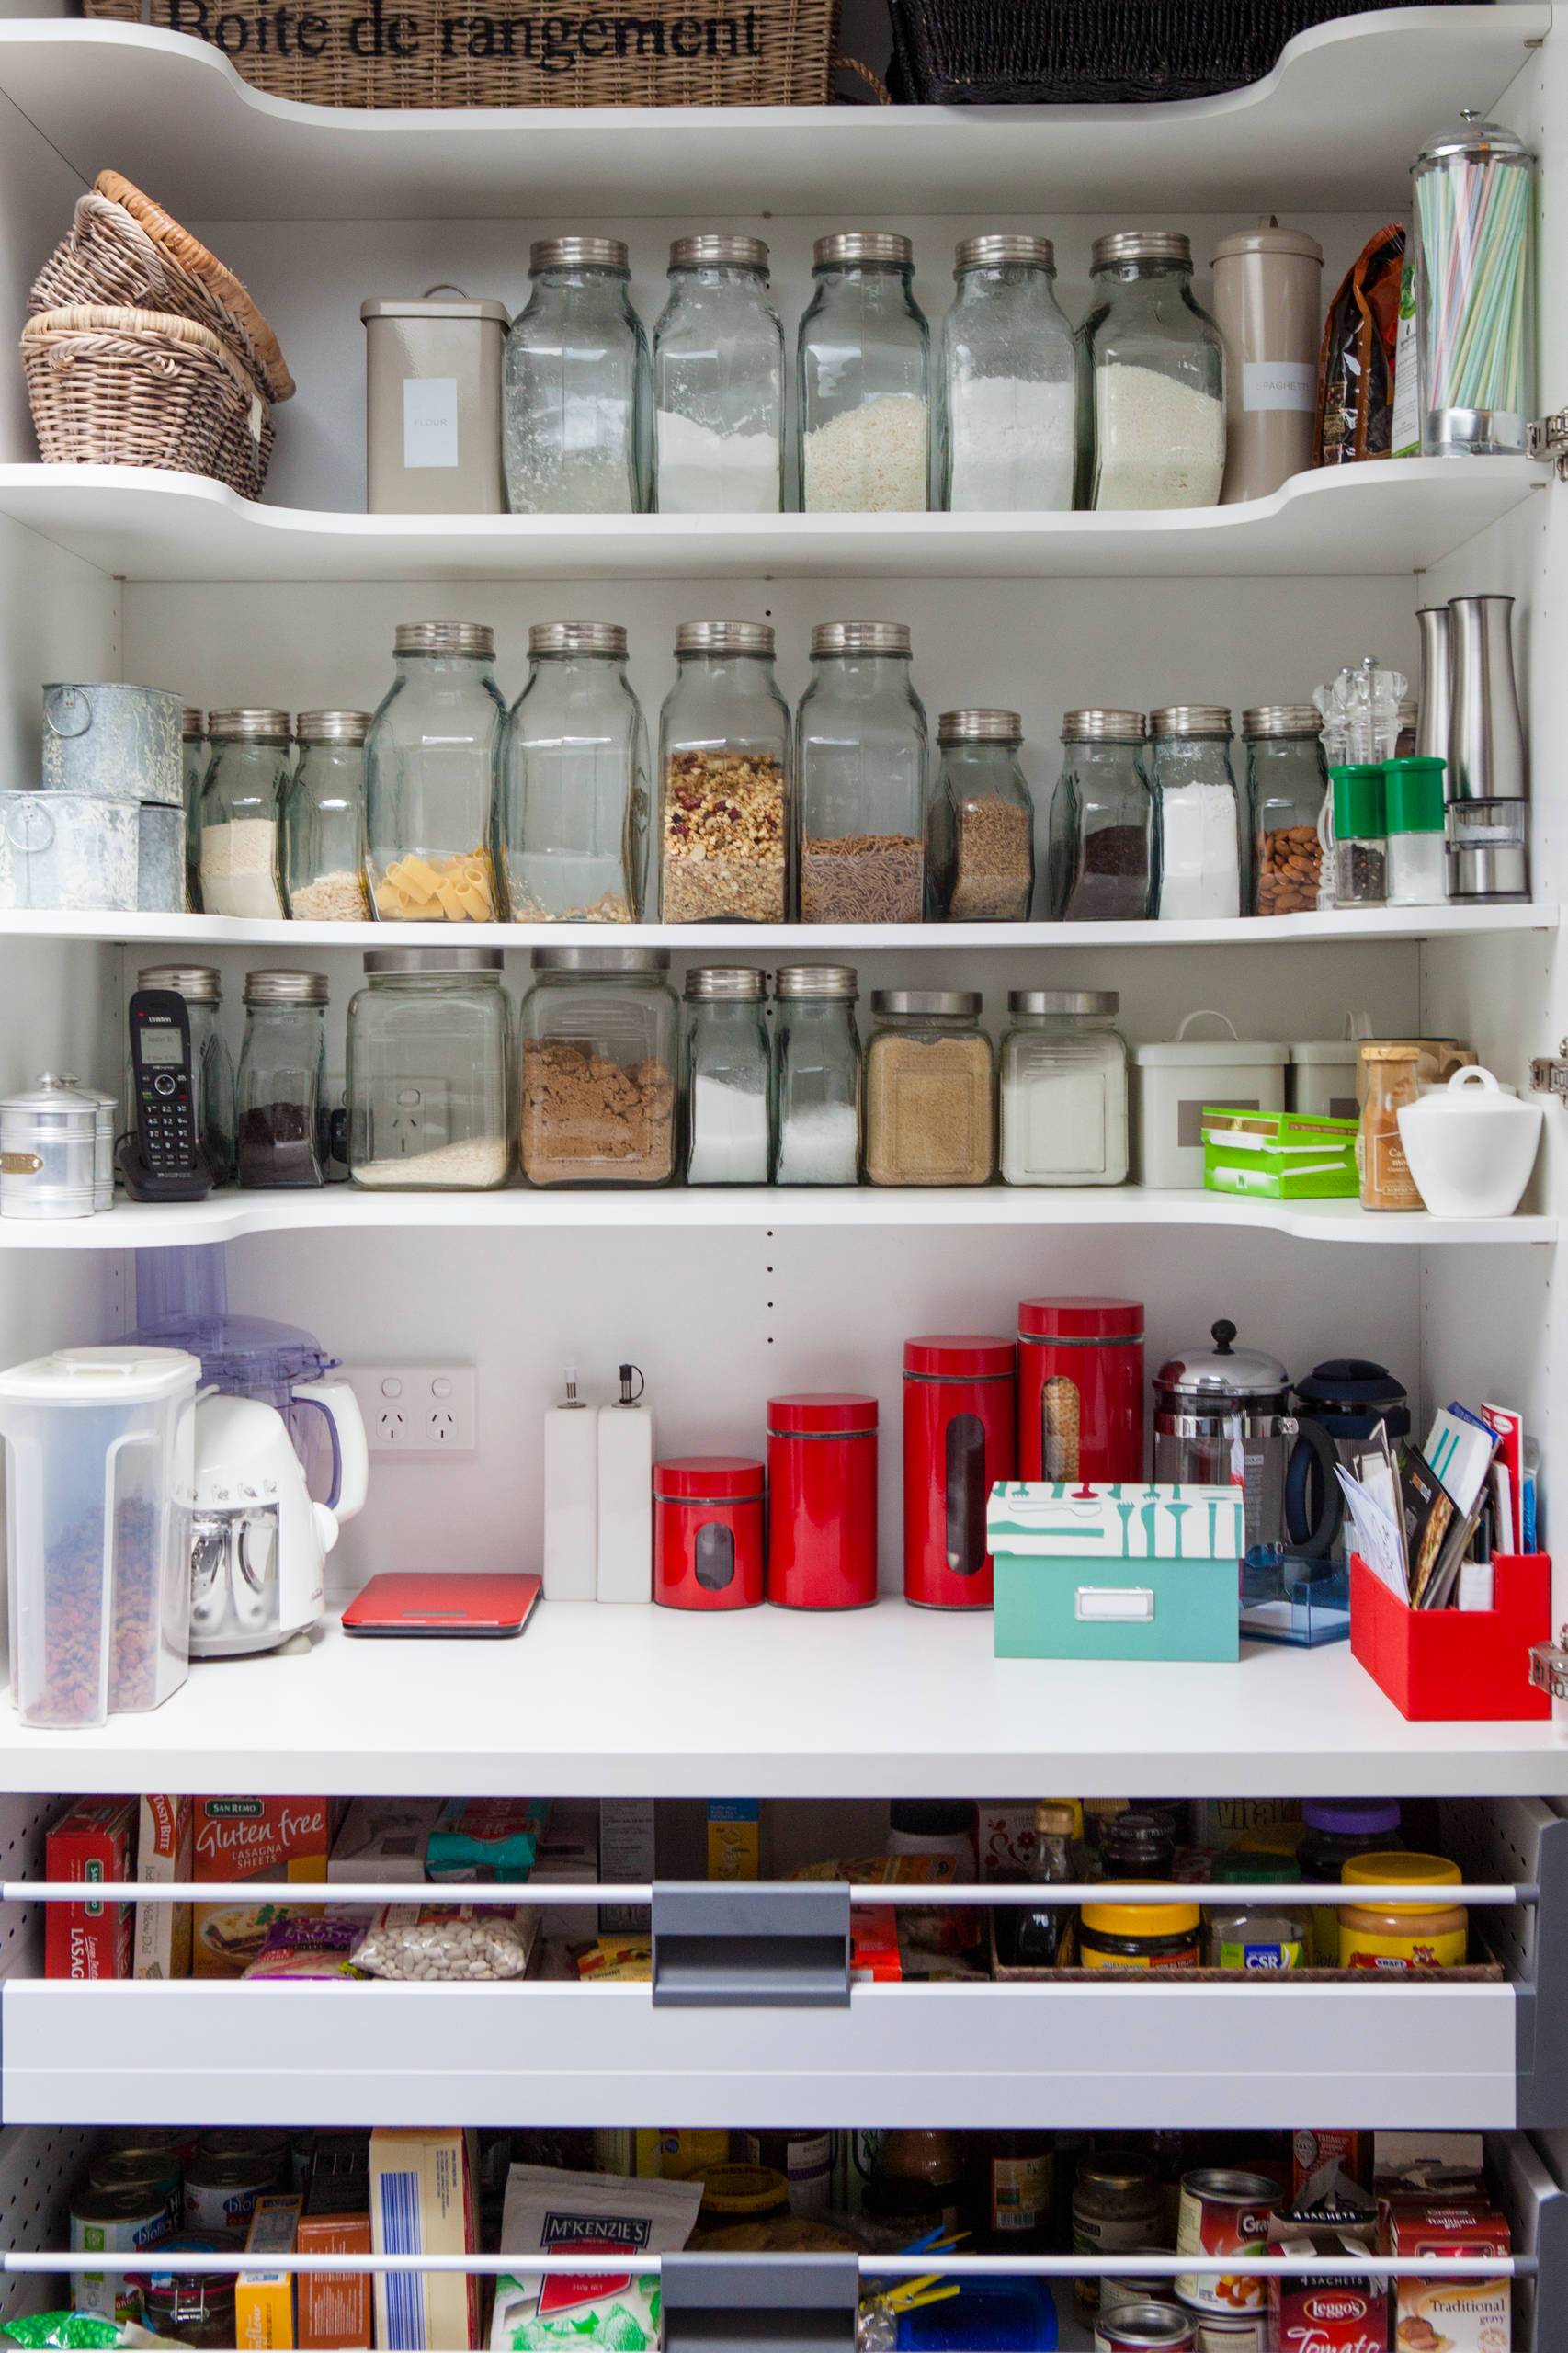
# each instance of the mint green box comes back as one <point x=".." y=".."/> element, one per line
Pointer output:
<point x="1116" y="1572"/>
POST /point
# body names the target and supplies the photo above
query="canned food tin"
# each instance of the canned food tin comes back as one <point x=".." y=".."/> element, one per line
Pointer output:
<point x="1224" y="2213"/>
<point x="245" y="2141"/>
<point x="138" y="2169"/>
<point x="1145" y="2327"/>
<point x="114" y="2222"/>
<point x="1132" y="2288"/>
<point x="220" y="2192"/>
<point x="1230" y="2331"/>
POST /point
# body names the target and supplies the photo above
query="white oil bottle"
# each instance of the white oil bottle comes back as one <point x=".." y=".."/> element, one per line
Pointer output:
<point x="571" y="1498"/>
<point x="626" y="1494"/>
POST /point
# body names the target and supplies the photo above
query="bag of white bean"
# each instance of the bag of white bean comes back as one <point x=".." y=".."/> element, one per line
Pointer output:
<point x="448" y="1940"/>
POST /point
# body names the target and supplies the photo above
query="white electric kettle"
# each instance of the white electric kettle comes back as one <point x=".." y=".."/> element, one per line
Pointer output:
<point x="258" y="1542"/>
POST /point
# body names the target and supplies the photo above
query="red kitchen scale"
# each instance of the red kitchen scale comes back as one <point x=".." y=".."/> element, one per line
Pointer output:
<point x="428" y="1601"/>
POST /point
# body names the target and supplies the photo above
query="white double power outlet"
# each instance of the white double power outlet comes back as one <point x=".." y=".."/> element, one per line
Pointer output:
<point x="425" y="1409"/>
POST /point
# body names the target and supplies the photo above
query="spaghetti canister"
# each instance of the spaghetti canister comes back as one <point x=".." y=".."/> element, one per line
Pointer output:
<point x="822" y="1500"/>
<point x="1081" y="1389"/>
<point x="1224" y="2213"/>
<point x="708" y="1530"/>
<point x="959" y="1439"/>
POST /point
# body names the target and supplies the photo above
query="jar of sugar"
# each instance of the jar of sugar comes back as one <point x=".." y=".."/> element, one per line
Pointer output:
<point x="1155" y="433"/>
<point x="728" y="1073"/>
<point x="1200" y="811"/>
<point x="1006" y="382"/>
<point x="817" y="1076"/>
<point x="718" y="383"/>
<point x="1063" y="1088"/>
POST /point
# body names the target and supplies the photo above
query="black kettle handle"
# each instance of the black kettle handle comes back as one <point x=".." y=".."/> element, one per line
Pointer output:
<point x="1318" y="1540"/>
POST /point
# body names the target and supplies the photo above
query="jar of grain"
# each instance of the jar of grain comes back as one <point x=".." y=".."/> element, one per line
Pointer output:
<point x="575" y="780"/>
<point x="1063" y="1089"/>
<point x="247" y="775"/>
<point x="929" y="1089"/>
<point x="861" y="748"/>
<point x="428" y="1049"/>
<point x="728" y="1082"/>
<point x="1153" y="427"/>
<point x="1102" y="861"/>
<point x="1287" y="778"/>
<point x="719" y="383"/>
<point x="1386" y="1180"/>
<point x="575" y="403"/>
<point x="865" y="380"/>
<point x="724" y="779"/>
<point x="1200" y="811"/>
<point x="600" y="1032"/>
<point x="816" y="1077"/>
<point x="980" y="826"/>
<point x="324" y="819"/>
<point x="430" y="759"/>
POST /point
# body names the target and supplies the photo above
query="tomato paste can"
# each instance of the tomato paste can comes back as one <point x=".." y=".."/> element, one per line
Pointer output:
<point x="1224" y="2213"/>
<point x="1147" y="2326"/>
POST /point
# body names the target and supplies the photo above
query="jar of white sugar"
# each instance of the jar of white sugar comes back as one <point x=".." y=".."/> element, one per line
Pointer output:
<point x="1007" y="383"/>
<point x="241" y="802"/>
<point x="1155" y="433"/>
<point x="728" y="1076"/>
<point x="817" y="1076"/>
<point x="1200" y="811"/>
<point x="718" y="383"/>
<point x="574" y="385"/>
<point x="1063" y="1089"/>
<point x="865" y="389"/>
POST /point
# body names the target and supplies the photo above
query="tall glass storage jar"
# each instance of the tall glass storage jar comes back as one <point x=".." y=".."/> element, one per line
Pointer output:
<point x="724" y="779"/>
<point x="324" y="819"/>
<point x="1063" y="1089"/>
<point x="202" y="989"/>
<point x="430" y="759"/>
<point x="979" y="825"/>
<point x="861" y="754"/>
<point x="1474" y="200"/>
<point x="817" y="1076"/>
<point x="728" y="1085"/>
<point x="864" y="401"/>
<point x="1287" y="779"/>
<point x="281" y="1137"/>
<point x="1202" y="872"/>
<point x="242" y="804"/>
<point x="429" y="1055"/>
<point x="575" y="780"/>
<point x="600" y="1030"/>
<point x="930" y="1097"/>
<point x="193" y="769"/>
<point x="719" y="383"/>
<point x="1102" y="864"/>
<point x="1152" y="378"/>
<point x="1006" y="384"/>
<point x="575" y="395"/>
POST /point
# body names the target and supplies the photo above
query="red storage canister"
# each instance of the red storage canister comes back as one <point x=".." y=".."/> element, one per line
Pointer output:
<point x="961" y="1412"/>
<point x="822" y="1500"/>
<point x="1081" y="1389"/>
<point x="708" y="1530"/>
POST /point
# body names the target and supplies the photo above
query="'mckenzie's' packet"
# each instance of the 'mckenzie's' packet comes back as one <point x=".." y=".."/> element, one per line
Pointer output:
<point x="616" y="2305"/>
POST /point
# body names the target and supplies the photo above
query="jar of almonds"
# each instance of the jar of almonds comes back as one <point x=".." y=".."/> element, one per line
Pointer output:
<point x="1287" y="779"/>
<point x="724" y="779"/>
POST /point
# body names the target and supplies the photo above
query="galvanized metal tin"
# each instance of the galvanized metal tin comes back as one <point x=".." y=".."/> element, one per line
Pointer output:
<point x="113" y="742"/>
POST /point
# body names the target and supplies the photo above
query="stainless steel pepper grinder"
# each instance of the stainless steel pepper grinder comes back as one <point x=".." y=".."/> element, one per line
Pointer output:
<point x="1486" y="740"/>
<point x="1436" y="695"/>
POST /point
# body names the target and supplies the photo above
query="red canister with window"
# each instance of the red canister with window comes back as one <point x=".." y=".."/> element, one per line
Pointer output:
<point x="1081" y="1389"/>
<point x="709" y="1525"/>
<point x="960" y="1410"/>
<point x="822" y="1500"/>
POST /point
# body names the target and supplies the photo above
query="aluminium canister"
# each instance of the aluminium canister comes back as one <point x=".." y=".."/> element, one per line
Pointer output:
<point x="960" y="1437"/>
<point x="115" y="2222"/>
<point x="221" y="2191"/>
<point x="433" y="404"/>
<point x="1147" y="2325"/>
<point x="114" y="743"/>
<point x="1224" y="2213"/>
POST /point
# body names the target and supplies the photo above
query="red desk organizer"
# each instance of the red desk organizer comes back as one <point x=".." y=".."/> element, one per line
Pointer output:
<point x="1457" y="1666"/>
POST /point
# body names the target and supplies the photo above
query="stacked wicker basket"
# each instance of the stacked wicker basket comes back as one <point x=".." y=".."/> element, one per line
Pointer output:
<point x="142" y="350"/>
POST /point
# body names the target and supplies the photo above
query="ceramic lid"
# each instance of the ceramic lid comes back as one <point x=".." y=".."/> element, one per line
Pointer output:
<point x="1471" y="1093"/>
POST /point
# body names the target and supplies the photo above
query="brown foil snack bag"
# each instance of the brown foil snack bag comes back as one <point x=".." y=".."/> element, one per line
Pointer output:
<point x="1356" y="363"/>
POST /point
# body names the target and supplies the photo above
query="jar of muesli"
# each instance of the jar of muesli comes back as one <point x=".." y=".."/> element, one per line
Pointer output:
<point x="724" y="779"/>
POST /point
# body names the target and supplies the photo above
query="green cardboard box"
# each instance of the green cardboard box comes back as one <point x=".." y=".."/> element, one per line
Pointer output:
<point x="1279" y="1156"/>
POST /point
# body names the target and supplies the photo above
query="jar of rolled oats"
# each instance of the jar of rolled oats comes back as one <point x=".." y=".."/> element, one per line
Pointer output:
<point x="724" y="779"/>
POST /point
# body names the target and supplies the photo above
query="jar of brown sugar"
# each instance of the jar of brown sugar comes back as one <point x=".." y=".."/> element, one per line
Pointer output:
<point x="599" y="1030"/>
<point x="930" y="1092"/>
<point x="724" y="779"/>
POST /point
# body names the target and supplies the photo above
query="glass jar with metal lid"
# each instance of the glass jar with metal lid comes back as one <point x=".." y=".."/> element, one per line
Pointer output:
<point x="324" y="819"/>
<point x="1007" y="383"/>
<point x="727" y="1082"/>
<point x="1102" y="861"/>
<point x="429" y="1053"/>
<point x="861" y="751"/>
<point x="816" y="1074"/>
<point x="1474" y="197"/>
<point x="600" y="1030"/>
<point x="1287" y="779"/>
<point x="575" y="780"/>
<point x="979" y="824"/>
<point x="1152" y="379"/>
<point x="242" y="802"/>
<point x="1202" y="872"/>
<point x="719" y="383"/>
<point x="430" y="759"/>
<point x="1257" y="1936"/>
<point x="724" y="779"/>
<point x="282" y="1139"/>
<point x="47" y="1150"/>
<point x="1116" y="2205"/>
<point x="193" y="769"/>
<point x="201" y="987"/>
<point x="930" y="1095"/>
<point x="574" y="397"/>
<point x="864" y="401"/>
<point x="1063" y="1088"/>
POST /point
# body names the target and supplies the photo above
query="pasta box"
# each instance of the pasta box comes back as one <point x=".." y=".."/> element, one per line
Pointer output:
<point x="1116" y="1572"/>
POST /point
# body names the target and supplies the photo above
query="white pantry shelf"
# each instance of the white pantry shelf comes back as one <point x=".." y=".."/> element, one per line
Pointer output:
<point x="344" y="1209"/>
<point x="1387" y="517"/>
<point x="1333" y="128"/>
<point x="891" y="1701"/>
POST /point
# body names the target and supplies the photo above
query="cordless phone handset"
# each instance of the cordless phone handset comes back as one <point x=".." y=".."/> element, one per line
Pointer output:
<point x="167" y="1162"/>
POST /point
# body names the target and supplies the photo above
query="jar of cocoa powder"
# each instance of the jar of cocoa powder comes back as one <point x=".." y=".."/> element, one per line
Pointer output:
<point x="599" y="1045"/>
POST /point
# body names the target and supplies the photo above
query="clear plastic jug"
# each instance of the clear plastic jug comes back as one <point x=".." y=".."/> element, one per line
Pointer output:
<point x="100" y="1484"/>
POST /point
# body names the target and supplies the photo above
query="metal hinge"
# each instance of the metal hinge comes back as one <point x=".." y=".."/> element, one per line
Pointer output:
<point x="1549" y="1666"/>
<point x="1546" y="438"/>
<point x="1549" y="1076"/>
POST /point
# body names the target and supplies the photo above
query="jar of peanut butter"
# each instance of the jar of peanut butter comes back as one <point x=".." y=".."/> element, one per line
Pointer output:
<point x="1402" y="1935"/>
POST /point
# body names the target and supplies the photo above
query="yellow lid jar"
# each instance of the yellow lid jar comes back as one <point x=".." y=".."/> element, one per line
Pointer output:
<point x="1402" y="1935"/>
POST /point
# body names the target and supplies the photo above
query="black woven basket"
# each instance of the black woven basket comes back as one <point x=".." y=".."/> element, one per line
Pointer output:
<point x="1015" y="52"/>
